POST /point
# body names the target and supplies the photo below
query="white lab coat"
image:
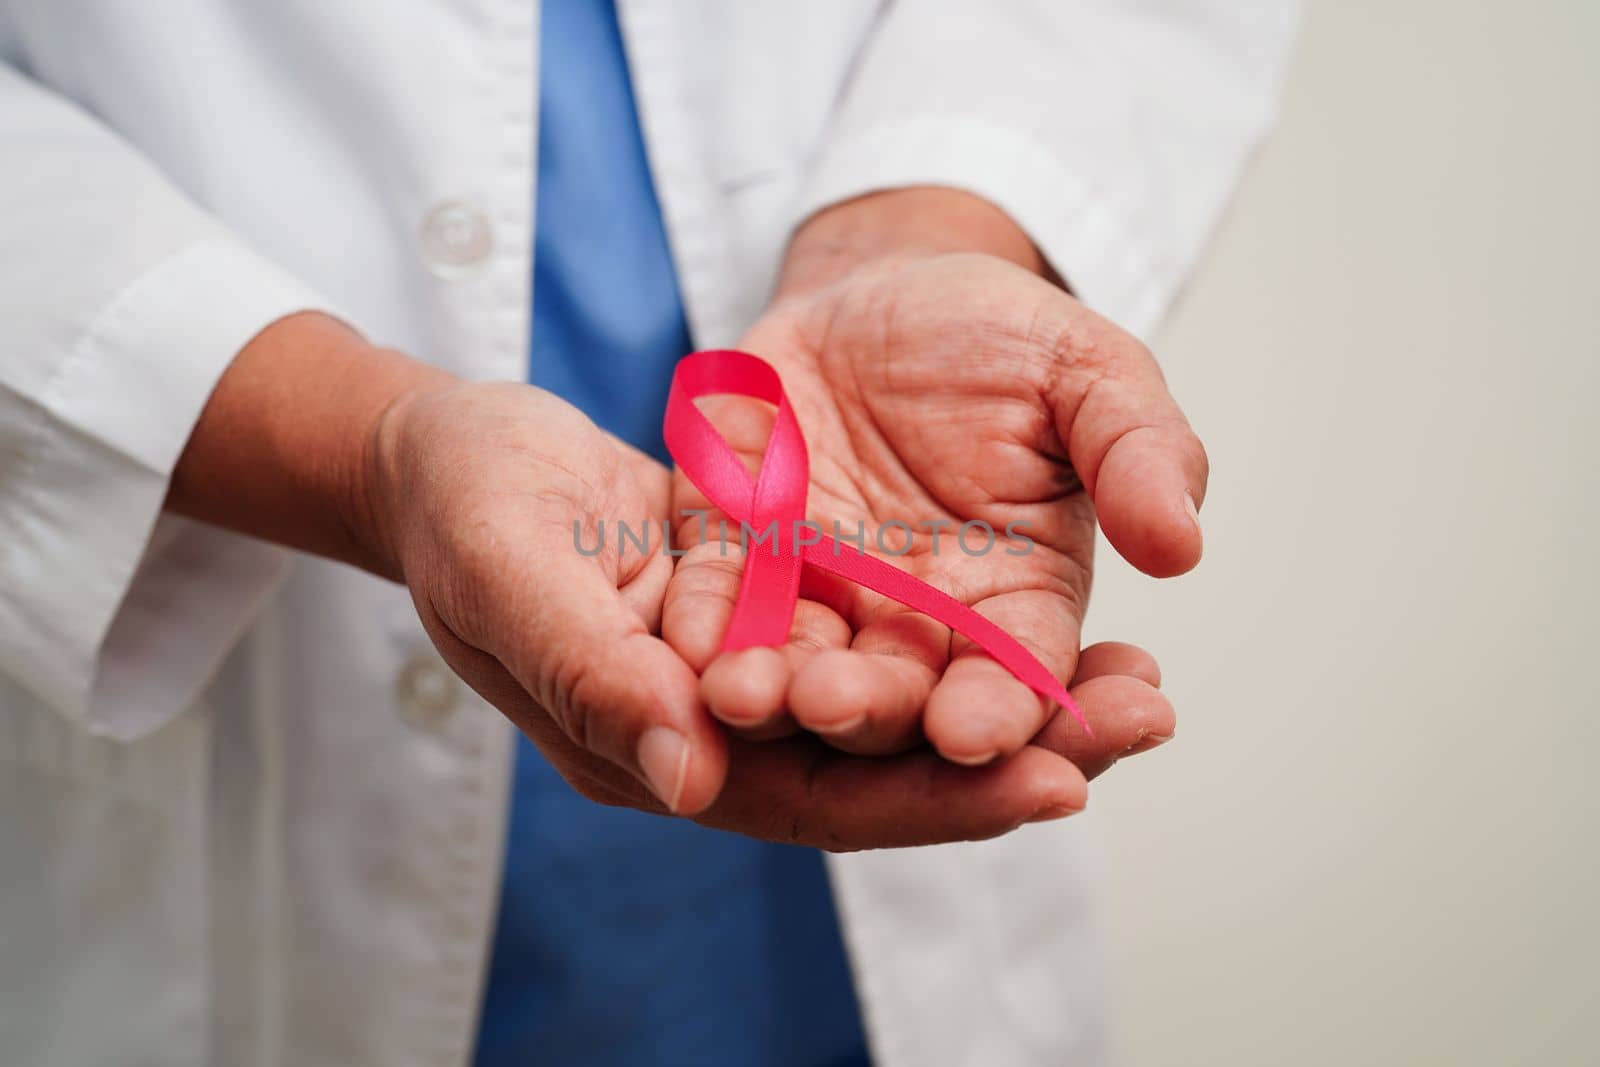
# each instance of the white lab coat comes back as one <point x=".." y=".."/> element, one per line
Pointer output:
<point x="246" y="815"/>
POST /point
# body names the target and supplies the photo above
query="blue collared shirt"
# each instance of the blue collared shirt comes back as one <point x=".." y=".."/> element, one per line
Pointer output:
<point x="626" y="938"/>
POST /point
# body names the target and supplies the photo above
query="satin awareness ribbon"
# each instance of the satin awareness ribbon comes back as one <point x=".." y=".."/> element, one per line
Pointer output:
<point x="770" y="586"/>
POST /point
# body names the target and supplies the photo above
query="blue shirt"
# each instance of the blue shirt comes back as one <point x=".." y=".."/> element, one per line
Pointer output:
<point x="626" y="938"/>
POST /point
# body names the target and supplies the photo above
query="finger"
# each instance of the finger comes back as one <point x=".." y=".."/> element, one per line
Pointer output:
<point x="746" y="689"/>
<point x="585" y="656"/>
<point x="802" y="792"/>
<point x="699" y="601"/>
<point x="979" y="710"/>
<point x="869" y="700"/>
<point x="1127" y="714"/>
<point x="864" y="703"/>
<point x="1117" y="657"/>
<point x="1133" y="449"/>
<point x="643" y="585"/>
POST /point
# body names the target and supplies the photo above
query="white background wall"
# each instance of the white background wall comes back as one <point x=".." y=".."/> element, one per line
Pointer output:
<point x="1374" y="839"/>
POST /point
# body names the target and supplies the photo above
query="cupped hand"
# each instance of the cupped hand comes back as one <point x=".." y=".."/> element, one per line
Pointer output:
<point x="477" y="490"/>
<point x="491" y="498"/>
<point x="987" y="411"/>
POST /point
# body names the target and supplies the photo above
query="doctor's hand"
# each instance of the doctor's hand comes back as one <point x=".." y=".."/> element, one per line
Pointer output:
<point x="470" y="494"/>
<point x="479" y="488"/>
<point x="937" y="387"/>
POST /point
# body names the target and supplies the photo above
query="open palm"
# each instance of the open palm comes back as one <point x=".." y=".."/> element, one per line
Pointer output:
<point x="963" y="413"/>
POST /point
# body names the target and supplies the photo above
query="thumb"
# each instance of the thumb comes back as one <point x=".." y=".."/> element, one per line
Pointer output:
<point x="614" y="689"/>
<point x="1131" y="445"/>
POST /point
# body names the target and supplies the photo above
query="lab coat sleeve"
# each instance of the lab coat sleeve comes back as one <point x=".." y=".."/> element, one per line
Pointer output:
<point x="121" y="303"/>
<point x="1111" y="131"/>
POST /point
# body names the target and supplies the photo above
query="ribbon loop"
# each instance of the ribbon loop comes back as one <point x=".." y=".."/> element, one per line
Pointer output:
<point x="772" y="508"/>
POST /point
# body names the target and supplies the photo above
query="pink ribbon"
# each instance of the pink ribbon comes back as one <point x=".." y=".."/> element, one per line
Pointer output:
<point x="770" y="585"/>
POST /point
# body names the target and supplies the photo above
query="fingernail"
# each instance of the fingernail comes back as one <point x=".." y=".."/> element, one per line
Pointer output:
<point x="1194" y="512"/>
<point x="1053" y="812"/>
<point x="1145" y="744"/>
<point x="842" y="727"/>
<point x="977" y="759"/>
<point x="664" y="758"/>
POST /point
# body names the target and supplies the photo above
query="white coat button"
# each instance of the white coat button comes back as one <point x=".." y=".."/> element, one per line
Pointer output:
<point x="427" y="692"/>
<point x="456" y="239"/>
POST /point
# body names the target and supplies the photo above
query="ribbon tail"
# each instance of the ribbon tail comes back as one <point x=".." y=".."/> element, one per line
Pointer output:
<point x="857" y="566"/>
